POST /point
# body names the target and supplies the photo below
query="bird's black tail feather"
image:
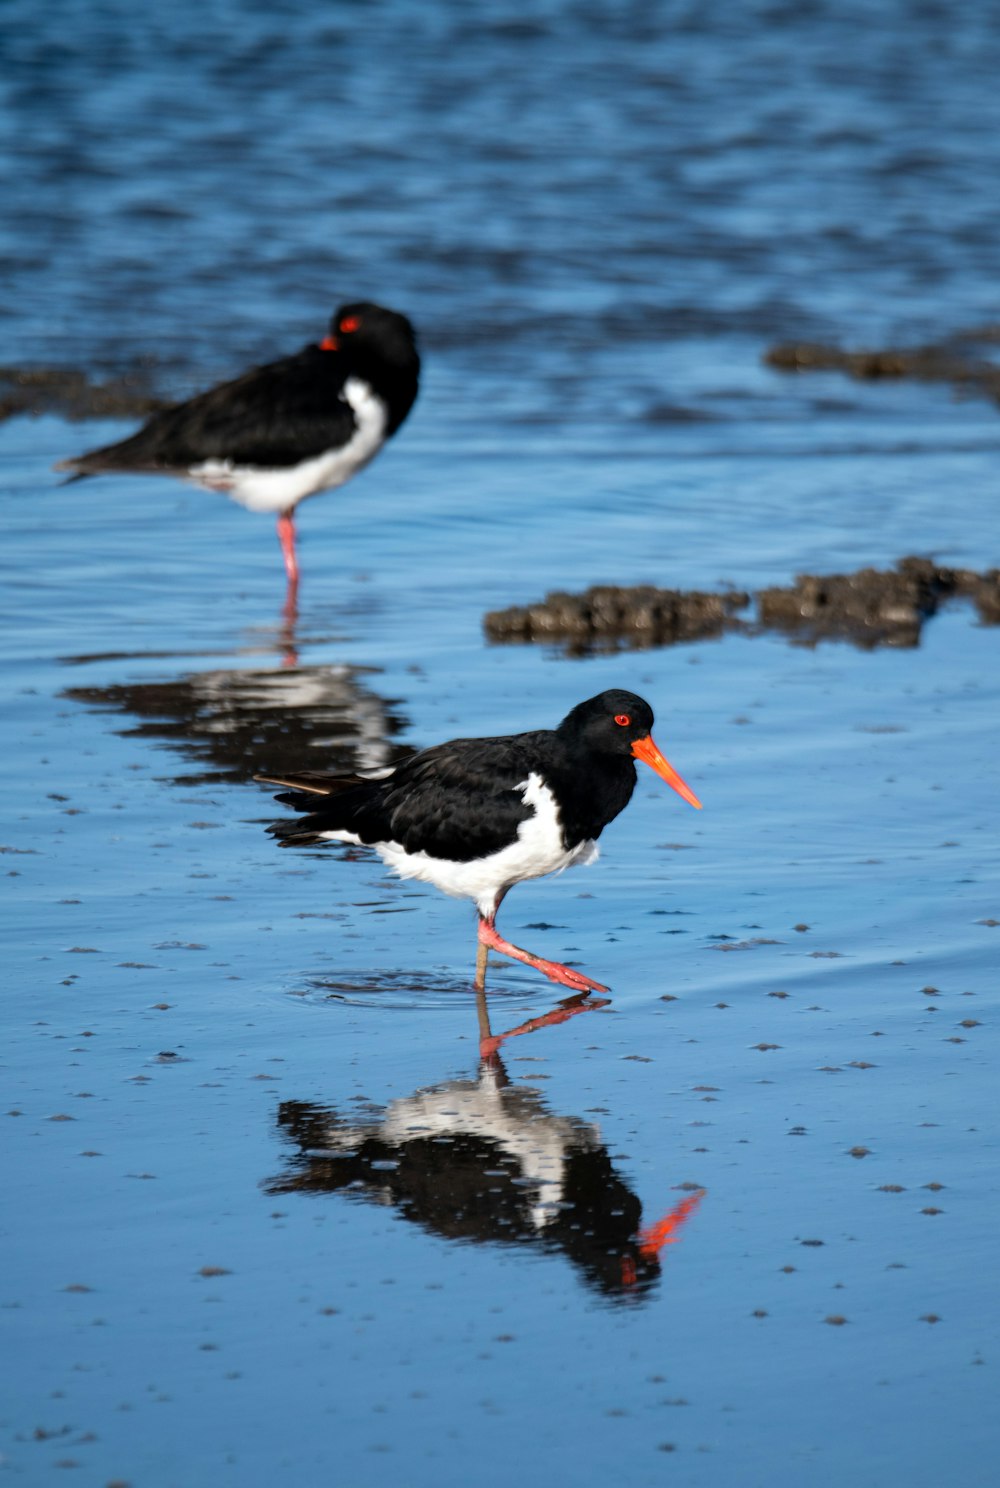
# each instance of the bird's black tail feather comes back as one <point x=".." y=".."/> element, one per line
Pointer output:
<point x="326" y="799"/>
<point x="301" y="833"/>
<point x="308" y="784"/>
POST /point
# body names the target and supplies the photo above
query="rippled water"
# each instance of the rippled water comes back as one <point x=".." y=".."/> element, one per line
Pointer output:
<point x="268" y="1216"/>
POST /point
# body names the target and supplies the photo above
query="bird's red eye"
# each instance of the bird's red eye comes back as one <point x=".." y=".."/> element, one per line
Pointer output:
<point x="349" y="323"/>
<point x="622" y="720"/>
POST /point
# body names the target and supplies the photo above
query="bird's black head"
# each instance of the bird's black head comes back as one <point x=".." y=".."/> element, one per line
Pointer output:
<point x="379" y="346"/>
<point x="362" y="329"/>
<point x="609" y="723"/>
<point x="618" y="723"/>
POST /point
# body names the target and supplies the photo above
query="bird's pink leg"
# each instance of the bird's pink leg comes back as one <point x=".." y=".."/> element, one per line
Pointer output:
<point x="286" y="537"/>
<point x="490" y="937"/>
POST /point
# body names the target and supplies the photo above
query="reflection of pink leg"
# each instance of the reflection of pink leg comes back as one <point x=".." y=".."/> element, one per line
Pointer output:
<point x="554" y="970"/>
<point x="290" y="609"/>
<point x="289" y="620"/>
<point x="567" y="1009"/>
<point x="286" y="537"/>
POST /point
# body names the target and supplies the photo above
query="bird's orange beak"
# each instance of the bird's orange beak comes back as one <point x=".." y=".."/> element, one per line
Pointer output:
<point x="329" y="343"/>
<point x="646" y="750"/>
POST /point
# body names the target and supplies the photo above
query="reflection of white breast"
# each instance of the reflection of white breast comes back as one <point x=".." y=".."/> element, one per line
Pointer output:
<point x="263" y="490"/>
<point x="329" y="695"/>
<point x="513" y="1119"/>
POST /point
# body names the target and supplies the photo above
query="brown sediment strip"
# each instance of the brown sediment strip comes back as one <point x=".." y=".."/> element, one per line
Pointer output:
<point x="873" y="607"/>
<point x="70" y="394"/>
<point x="868" y="608"/>
<point x="641" y="615"/>
<point x="953" y="360"/>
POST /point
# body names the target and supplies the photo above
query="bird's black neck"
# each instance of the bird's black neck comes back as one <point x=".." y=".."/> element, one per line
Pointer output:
<point x="394" y="380"/>
<point x="591" y="791"/>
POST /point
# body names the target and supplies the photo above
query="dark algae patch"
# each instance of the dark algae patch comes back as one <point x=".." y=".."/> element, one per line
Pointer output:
<point x="610" y="615"/>
<point x="957" y="360"/>
<point x="871" y="607"/>
<point x="72" y="394"/>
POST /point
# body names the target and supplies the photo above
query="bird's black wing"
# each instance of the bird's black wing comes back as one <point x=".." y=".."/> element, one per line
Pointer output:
<point x="273" y="416"/>
<point x="465" y="799"/>
<point x="458" y="801"/>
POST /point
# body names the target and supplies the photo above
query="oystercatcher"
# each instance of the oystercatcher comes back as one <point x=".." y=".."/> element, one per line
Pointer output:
<point x="287" y="430"/>
<point x="476" y="816"/>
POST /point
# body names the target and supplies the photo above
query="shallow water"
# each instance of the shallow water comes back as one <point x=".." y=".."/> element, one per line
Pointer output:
<point x="268" y="1217"/>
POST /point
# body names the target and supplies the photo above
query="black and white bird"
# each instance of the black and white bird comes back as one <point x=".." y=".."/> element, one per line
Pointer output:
<point x="475" y="816"/>
<point x="286" y="430"/>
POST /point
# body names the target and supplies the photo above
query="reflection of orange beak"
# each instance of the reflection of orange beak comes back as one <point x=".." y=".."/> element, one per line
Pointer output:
<point x="650" y="1241"/>
<point x="647" y="751"/>
<point x="329" y="343"/>
<point x="653" y="1239"/>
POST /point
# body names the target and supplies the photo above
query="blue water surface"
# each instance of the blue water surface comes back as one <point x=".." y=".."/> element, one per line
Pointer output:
<point x="268" y="1218"/>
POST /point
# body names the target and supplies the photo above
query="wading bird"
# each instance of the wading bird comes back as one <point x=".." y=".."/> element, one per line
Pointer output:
<point x="286" y="430"/>
<point x="475" y="816"/>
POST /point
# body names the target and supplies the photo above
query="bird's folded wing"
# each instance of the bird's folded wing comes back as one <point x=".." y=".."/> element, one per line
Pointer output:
<point x="272" y="417"/>
<point x="458" y="803"/>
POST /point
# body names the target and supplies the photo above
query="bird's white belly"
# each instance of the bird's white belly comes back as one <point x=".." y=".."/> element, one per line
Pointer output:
<point x="278" y="490"/>
<point x="537" y="850"/>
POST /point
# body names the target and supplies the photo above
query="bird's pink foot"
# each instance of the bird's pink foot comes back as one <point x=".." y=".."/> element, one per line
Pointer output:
<point x="567" y="977"/>
<point x="554" y="970"/>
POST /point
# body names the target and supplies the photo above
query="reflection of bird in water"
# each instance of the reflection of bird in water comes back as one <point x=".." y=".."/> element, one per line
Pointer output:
<point x="476" y="816"/>
<point x="235" y="723"/>
<point x="483" y="1160"/>
<point x="287" y="430"/>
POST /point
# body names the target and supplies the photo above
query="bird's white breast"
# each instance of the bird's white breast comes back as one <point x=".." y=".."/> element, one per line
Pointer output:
<point x="536" y="850"/>
<point x="278" y="490"/>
